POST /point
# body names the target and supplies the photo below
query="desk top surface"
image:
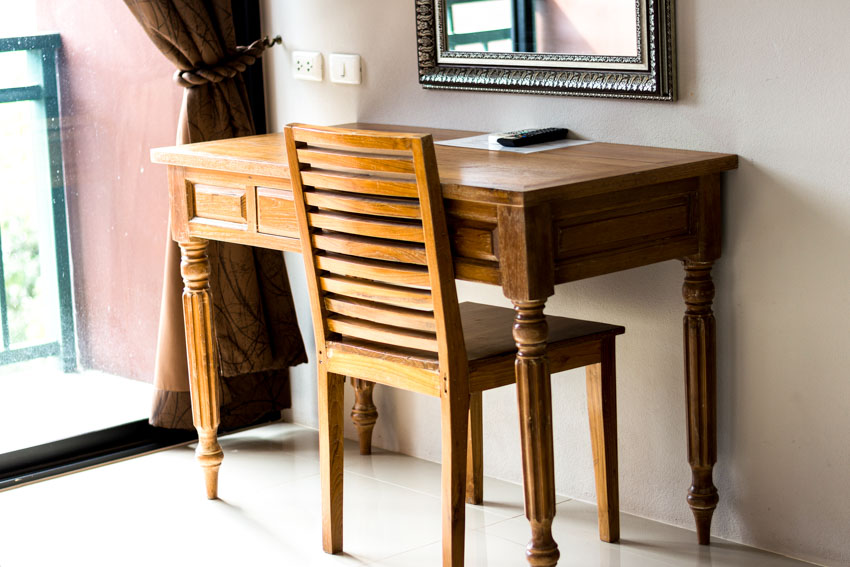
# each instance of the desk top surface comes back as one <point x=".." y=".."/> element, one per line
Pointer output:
<point x="498" y="177"/>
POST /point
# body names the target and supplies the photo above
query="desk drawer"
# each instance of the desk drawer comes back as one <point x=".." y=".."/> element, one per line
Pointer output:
<point x="215" y="202"/>
<point x="598" y="235"/>
<point x="276" y="212"/>
<point x="665" y="219"/>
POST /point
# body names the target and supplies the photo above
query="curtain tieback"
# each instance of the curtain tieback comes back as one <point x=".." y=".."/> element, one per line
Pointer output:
<point x="226" y="68"/>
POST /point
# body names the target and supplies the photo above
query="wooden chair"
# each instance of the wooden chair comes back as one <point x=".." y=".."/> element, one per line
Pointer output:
<point x="385" y="310"/>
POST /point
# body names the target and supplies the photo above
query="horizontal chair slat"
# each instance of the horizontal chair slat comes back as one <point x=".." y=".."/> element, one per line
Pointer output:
<point x="363" y="139"/>
<point x="385" y="293"/>
<point x="374" y="248"/>
<point x="382" y="271"/>
<point x="367" y="226"/>
<point x="351" y="327"/>
<point x="377" y="313"/>
<point x="334" y="158"/>
<point x="391" y="370"/>
<point x="366" y="205"/>
<point x="358" y="183"/>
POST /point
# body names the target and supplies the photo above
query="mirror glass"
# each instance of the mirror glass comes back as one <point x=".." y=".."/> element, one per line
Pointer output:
<point x="581" y="27"/>
<point x="616" y="48"/>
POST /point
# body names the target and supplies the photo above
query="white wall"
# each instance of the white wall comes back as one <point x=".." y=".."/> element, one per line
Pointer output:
<point x="765" y="79"/>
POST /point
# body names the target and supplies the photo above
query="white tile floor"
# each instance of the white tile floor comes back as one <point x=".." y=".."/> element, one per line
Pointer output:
<point x="151" y="511"/>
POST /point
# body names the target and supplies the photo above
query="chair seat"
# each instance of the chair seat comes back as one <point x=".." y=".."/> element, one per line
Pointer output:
<point x="487" y="330"/>
<point x="490" y="345"/>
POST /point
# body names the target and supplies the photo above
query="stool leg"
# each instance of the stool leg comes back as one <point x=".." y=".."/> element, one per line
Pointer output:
<point x="364" y="414"/>
<point x="331" y="399"/>
<point x="475" y="450"/>
<point x="602" y="410"/>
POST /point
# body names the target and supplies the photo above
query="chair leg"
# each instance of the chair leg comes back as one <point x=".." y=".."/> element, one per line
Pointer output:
<point x="331" y="399"/>
<point x="455" y="423"/>
<point x="364" y="414"/>
<point x="602" y="409"/>
<point x="475" y="451"/>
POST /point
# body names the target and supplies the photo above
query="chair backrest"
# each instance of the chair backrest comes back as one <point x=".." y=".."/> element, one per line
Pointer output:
<point x="375" y="241"/>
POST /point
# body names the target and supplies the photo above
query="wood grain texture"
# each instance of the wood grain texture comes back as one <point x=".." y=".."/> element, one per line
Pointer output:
<point x="471" y="175"/>
<point x="371" y="248"/>
<point x="219" y="203"/>
<point x="397" y="370"/>
<point x="602" y="412"/>
<point x="534" y="396"/>
<point x="616" y="180"/>
<point x="378" y="291"/>
<point x="364" y="414"/>
<point x="331" y="159"/>
<point x="365" y="317"/>
<point x="388" y="315"/>
<point x="331" y="449"/>
<point x="595" y="209"/>
<point x="359" y="183"/>
<point x="203" y="358"/>
<point x="381" y="333"/>
<point x="701" y="391"/>
<point x="382" y="272"/>
<point x="498" y="370"/>
<point x="710" y="218"/>
<point x="475" y="451"/>
<point x="454" y="411"/>
<point x="526" y="242"/>
<point x="367" y="226"/>
<point x="275" y="212"/>
<point x="362" y="335"/>
<point x="365" y="205"/>
<point x="349" y="138"/>
<point x="178" y="212"/>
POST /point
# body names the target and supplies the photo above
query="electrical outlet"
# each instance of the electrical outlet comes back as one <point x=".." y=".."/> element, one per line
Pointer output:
<point x="307" y="65"/>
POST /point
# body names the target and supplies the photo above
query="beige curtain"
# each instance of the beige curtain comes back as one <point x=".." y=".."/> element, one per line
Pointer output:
<point x="257" y="333"/>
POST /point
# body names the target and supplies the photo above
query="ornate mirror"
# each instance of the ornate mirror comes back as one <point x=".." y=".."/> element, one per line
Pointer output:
<point x="612" y="48"/>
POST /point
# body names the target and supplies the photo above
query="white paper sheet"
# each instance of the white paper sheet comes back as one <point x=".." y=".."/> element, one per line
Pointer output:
<point x="482" y="143"/>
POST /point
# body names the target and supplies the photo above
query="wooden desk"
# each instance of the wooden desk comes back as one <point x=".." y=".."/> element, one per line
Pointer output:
<point x="524" y="222"/>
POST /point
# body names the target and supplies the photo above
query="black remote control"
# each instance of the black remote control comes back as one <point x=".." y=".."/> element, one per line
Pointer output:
<point x="522" y="138"/>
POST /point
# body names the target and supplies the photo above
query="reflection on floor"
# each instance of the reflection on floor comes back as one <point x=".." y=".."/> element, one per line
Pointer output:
<point x="40" y="404"/>
<point x="152" y="511"/>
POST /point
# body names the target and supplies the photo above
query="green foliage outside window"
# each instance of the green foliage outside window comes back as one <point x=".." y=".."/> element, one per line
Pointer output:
<point x="22" y="270"/>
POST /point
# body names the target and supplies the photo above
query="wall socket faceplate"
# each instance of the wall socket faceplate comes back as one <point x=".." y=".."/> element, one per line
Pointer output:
<point x="344" y="68"/>
<point x="307" y="65"/>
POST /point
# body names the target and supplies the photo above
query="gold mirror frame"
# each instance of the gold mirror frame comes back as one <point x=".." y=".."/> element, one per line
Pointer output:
<point x="651" y="75"/>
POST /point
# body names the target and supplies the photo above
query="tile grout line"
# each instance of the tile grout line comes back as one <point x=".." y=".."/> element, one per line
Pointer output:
<point x="378" y="562"/>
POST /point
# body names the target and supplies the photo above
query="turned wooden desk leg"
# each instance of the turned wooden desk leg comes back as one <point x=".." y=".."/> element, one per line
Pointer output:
<point x="202" y="356"/>
<point x="534" y="395"/>
<point x="364" y="414"/>
<point x="701" y="384"/>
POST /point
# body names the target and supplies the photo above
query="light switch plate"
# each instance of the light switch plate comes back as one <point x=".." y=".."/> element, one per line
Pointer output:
<point x="345" y="68"/>
<point x="307" y="65"/>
